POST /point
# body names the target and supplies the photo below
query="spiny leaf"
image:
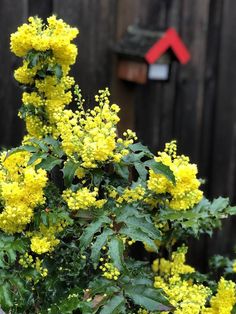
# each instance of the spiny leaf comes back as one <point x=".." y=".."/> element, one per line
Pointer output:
<point x="138" y="147"/>
<point x="5" y="296"/>
<point x="144" y="225"/>
<point x="138" y="235"/>
<point x="122" y="170"/>
<point x="49" y="163"/>
<point x="116" y="251"/>
<point x="37" y="156"/>
<point x="69" y="170"/>
<point x="113" y="306"/>
<point x="98" y="244"/>
<point x="93" y="227"/>
<point x="149" y="298"/>
<point x="160" y="168"/>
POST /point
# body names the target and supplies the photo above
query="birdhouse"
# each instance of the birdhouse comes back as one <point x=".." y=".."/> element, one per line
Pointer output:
<point x="146" y="55"/>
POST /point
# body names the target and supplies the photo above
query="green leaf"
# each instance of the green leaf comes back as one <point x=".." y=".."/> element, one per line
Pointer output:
<point x="98" y="244"/>
<point x="149" y="298"/>
<point x="138" y="147"/>
<point x="138" y="235"/>
<point x="141" y="169"/>
<point x="37" y="156"/>
<point x="114" y="305"/>
<point x="116" y="251"/>
<point x="97" y="176"/>
<point x="160" y="168"/>
<point x="144" y="225"/>
<point x="231" y="210"/>
<point x="132" y="157"/>
<point x="122" y="171"/>
<point x="219" y="204"/>
<point x="49" y="163"/>
<point x="40" y="144"/>
<point x="55" y="144"/>
<point x="5" y="296"/>
<point x="69" y="170"/>
<point x="93" y="228"/>
<point x="26" y="148"/>
<point x="58" y="71"/>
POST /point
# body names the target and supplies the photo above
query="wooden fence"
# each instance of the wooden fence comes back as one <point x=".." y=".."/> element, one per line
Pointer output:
<point x="197" y="106"/>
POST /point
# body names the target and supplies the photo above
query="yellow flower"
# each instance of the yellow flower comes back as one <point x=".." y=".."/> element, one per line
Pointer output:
<point x="185" y="192"/>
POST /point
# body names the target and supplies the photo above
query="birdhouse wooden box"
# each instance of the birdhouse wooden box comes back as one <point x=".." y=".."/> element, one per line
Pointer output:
<point x="146" y="55"/>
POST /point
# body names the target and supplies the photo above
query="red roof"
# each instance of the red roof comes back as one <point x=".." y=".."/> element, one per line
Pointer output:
<point x="170" y="39"/>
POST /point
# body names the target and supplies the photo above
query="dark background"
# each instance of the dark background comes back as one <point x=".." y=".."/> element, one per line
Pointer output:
<point x="197" y="106"/>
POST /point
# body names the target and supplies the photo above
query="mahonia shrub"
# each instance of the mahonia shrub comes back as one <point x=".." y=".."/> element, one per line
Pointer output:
<point x="78" y="202"/>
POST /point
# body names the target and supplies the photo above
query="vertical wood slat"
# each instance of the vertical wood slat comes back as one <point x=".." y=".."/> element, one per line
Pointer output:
<point x="42" y="8"/>
<point x="210" y="91"/>
<point x="190" y="83"/>
<point x="123" y="93"/>
<point x="155" y="102"/>
<point x="11" y="127"/>
<point x="223" y="174"/>
<point x="96" y="22"/>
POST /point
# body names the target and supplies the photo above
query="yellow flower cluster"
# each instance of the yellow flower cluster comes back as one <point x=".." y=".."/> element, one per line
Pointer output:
<point x="82" y="199"/>
<point x="92" y="135"/>
<point x="56" y="36"/>
<point x="234" y="266"/>
<point x="176" y="266"/>
<point x="27" y="261"/>
<point x="186" y="297"/>
<point x="109" y="271"/>
<point x="185" y="192"/>
<point x="44" y="240"/>
<point x="130" y="195"/>
<point x="50" y="47"/>
<point x="224" y="300"/>
<point x="21" y="190"/>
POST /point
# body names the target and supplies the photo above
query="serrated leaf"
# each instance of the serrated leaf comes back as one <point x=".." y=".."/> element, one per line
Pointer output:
<point x="58" y="71"/>
<point x="142" y="171"/>
<point x="231" y="210"/>
<point x="11" y="255"/>
<point x="69" y="170"/>
<point x="98" y="244"/>
<point x="116" y="251"/>
<point x="219" y="204"/>
<point x="40" y="144"/>
<point x="144" y="225"/>
<point x="160" y="168"/>
<point x="138" y="235"/>
<point x="113" y="306"/>
<point x="26" y="148"/>
<point x="122" y="171"/>
<point x="55" y="144"/>
<point x="138" y="147"/>
<point x="5" y="296"/>
<point x="93" y="228"/>
<point x="149" y="298"/>
<point x="132" y="157"/>
<point x="49" y="163"/>
<point x="37" y="156"/>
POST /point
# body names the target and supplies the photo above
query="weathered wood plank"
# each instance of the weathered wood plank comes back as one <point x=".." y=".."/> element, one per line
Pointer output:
<point x="155" y="101"/>
<point x="123" y="92"/>
<point x="11" y="127"/>
<point x="225" y="111"/>
<point x="96" y="21"/>
<point x="190" y="82"/>
<point x="42" y="8"/>
<point x="223" y="167"/>
<point x="206" y="158"/>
